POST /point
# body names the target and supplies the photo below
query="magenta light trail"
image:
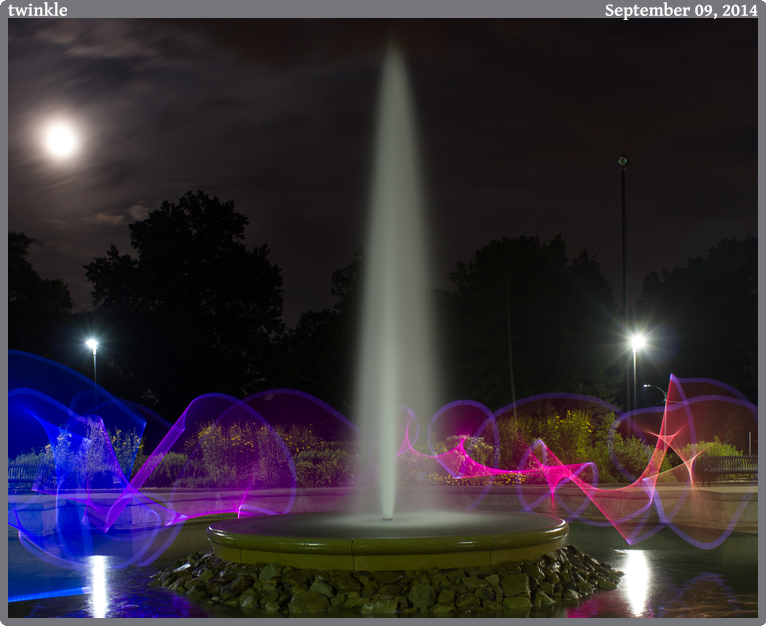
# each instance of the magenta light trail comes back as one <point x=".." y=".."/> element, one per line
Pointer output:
<point x="82" y="517"/>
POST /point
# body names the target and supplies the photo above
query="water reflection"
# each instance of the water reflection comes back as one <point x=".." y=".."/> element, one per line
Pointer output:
<point x="636" y="580"/>
<point x="98" y="597"/>
<point x="665" y="577"/>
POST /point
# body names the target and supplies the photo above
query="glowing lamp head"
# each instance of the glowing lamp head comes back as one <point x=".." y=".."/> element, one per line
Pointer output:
<point x="623" y="162"/>
<point x="92" y="344"/>
<point x="637" y="342"/>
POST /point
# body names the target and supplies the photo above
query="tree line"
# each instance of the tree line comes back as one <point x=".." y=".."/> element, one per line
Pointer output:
<point x="194" y="310"/>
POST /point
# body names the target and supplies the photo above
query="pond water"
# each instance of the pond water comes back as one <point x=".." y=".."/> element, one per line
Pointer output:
<point x="664" y="577"/>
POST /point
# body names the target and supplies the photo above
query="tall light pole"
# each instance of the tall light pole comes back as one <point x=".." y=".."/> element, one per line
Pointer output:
<point x="662" y="391"/>
<point x="93" y="344"/>
<point x="636" y="342"/>
<point x="622" y="161"/>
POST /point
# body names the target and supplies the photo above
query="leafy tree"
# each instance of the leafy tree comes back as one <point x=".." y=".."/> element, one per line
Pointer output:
<point x="320" y="352"/>
<point x="561" y="318"/>
<point x="194" y="312"/>
<point x="37" y="308"/>
<point x="703" y="318"/>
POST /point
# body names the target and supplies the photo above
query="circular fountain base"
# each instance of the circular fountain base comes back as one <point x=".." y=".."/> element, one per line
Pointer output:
<point x="364" y="542"/>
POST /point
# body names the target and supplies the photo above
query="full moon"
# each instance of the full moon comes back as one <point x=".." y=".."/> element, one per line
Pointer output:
<point x="61" y="141"/>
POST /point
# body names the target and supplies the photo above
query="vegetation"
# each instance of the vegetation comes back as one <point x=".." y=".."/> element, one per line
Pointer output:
<point x="92" y="462"/>
<point x="196" y="311"/>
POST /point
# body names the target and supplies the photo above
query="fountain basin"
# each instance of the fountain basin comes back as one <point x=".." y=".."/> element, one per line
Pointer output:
<point x="364" y="542"/>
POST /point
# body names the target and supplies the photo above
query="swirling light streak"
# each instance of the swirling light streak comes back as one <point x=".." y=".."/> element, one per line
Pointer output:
<point x="55" y="417"/>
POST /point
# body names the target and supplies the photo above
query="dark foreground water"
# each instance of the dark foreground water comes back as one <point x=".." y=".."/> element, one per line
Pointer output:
<point x="664" y="577"/>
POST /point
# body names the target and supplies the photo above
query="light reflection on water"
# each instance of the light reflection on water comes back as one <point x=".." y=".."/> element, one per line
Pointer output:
<point x="636" y="580"/>
<point x="664" y="577"/>
<point x="98" y="597"/>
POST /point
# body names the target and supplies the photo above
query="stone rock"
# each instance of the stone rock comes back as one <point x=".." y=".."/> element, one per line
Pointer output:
<point x="484" y="594"/>
<point x="543" y="598"/>
<point x="515" y="584"/>
<point x="456" y="575"/>
<point x="294" y="586"/>
<point x="271" y="607"/>
<point x="492" y="605"/>
<point x="197" y="592"/>
<point x="354" y="602"/>
<point x="338" y="601"/>
<point x="533" y="571"/>
<point x="388" y="578"/>
<point x="498" y="592"/>
<point x="346" y="583"/>
<point x="443" y="607"/>
<point x="473" y="582"/>
<point x="249" y="598"/>
<point x="183" y="568"/>
<point x="379" y="606"/>
<point x="422" y="596"/>
<point x="309" y="602"/>
<point x="570" y="595"/>
<point x="584" y="589"/>
<point x="517" y="603"/>
<point x="446" y="596"/>
<point x="369" y="589"/>
<point x="440" y="580"/>
<point x="387" y="592"/>
<point x="323" y="588"/>
<point x="206" y="576"/>
<point x="234" y="588"/>
<point x="493" y="579"/>
<point x="551" y="577"/>
<point x="269" y="597"/>
<point x="603" y="583"/>
<point x="272" y="570"/>
<point x="509" y="568"/>
<point x="546" y="588"/>
<point x="214" y="586"/>
<point x="467" y="601"/>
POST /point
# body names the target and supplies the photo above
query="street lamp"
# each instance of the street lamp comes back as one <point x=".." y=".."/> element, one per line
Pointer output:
<point x="662" y="391"/>
<point x="623" y="162"/>
<point x="93" y="344"/>
<point x="636" y="342"/>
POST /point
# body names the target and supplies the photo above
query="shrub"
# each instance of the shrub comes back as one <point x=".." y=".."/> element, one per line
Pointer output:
<point x="512" y="443"/>
<point x="324" y="468"/>
<point x="711" y="448"/>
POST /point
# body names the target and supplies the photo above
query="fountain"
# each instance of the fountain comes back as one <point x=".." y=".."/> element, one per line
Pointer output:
<point x="396" y="366"/>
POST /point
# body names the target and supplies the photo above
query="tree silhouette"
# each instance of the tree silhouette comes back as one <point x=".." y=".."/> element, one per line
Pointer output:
<point x="562" y="320"/>
<point x="37" y="308"/>
<point x="703" y="318"/>
<point x="195" y="312"/>
<point x="319" y="354"/>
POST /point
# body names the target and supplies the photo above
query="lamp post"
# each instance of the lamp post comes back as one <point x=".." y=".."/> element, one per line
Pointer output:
<point x="623" y="162"/>
<point x="662" y="391"/>
<point x="636" y="342"/>
<point x="93" y="344"/>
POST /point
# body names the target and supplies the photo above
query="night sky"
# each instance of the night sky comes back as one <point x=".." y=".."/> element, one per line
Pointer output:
<point x="521" y="123"/>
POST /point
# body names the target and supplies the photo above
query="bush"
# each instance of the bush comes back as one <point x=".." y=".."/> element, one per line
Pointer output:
<point x="324" y="468"/>
<point x="715" y="448"/>
<point x="711" y="448"/>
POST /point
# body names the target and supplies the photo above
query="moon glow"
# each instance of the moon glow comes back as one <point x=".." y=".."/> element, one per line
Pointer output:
<point x="61" y="141"/>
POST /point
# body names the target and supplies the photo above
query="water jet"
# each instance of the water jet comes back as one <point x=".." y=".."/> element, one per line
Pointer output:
<point x="396" y="367"/>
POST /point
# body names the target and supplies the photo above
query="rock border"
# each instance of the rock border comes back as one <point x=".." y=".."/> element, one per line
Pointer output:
<point x="563" y="576"/>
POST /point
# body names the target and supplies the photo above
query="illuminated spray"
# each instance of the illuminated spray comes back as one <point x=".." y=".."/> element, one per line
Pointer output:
<point x="396" y="358"/>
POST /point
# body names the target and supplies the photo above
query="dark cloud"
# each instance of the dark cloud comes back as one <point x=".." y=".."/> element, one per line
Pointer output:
<point x="520" y="125"/>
